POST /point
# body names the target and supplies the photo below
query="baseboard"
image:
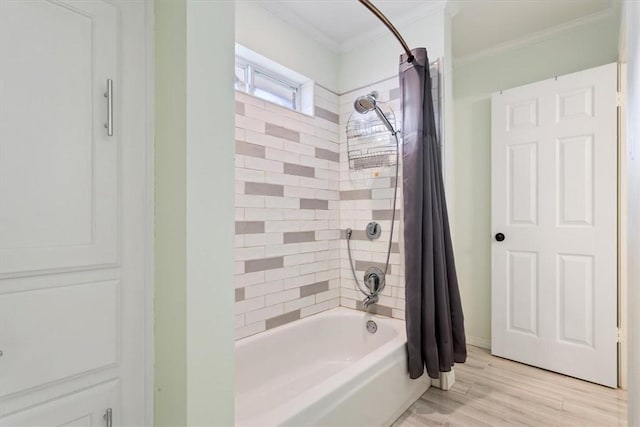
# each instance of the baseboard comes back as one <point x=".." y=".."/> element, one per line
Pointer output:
<point x="479" y="342"/>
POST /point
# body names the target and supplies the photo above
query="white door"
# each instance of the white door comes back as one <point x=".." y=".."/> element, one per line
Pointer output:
<point x="554" y="198"/>
<point x="72" y="300"/>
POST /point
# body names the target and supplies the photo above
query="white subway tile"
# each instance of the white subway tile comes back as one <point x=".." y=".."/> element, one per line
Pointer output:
<point x="282" y="273"/>
<point x="281" y="226"/>
<point x="242" y="254"/>
<point x="282" y="203"/>
<point x="298" y="259"/>
<point x="263" y="139"/>
<point x="263" y="313"/>
<point x="264" y="214"/>
<point x="263" y="164"/>
<point x="249" y="123"/>
<point x="249" y="304"/>
<point x="314" y="309"/>
<point x="299" y="303"/>
<point x="248" y="279"/>
<point x="239" y="321"/>
<point x="252" y="329"/>
<point x="263" y="289"/>
<point x="251" y="175"/>
<point x="249" y="201"/>
<point x="300" y="280"/>
<point x="283" y="296"/>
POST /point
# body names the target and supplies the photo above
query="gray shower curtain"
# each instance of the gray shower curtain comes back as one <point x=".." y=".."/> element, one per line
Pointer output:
<point x="434" y="320"/>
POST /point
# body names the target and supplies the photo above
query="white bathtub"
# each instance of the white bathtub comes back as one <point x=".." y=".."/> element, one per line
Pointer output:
<point x="325" y="370"/>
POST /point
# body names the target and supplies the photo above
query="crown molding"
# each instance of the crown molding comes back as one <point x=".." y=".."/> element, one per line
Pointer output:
<point x="420" y="12"/>
<point x="298" y="22"/>
<point x="535" y="37"/>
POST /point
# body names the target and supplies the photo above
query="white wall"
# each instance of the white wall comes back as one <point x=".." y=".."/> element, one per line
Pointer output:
<point x="633" y="188"/>
<point x="270" y="36"/>
<point x="573" y="50"/>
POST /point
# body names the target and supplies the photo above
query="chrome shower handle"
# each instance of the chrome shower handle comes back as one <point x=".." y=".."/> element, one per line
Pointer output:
<point x="109" y="95"/>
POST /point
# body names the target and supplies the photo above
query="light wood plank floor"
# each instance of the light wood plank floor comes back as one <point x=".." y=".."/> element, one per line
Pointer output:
<point x="490" y="391"/>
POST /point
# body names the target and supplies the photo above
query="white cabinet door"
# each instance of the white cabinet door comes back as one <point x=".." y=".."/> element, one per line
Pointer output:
<point x="72" y="300"/>
<point x="58" y="167"/>
<point x="554" y="198"/>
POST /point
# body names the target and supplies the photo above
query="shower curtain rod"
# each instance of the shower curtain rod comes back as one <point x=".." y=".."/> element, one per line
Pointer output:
<point x="390" y="26"/>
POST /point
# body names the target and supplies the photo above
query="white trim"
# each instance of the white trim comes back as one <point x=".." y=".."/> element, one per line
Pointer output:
<point x="365" y="38"/>
<point x="534" y="37"/>
<point x="298" y="22"/>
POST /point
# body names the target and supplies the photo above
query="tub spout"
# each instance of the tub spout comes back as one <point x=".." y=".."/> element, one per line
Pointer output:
<point x="369" y="300"/>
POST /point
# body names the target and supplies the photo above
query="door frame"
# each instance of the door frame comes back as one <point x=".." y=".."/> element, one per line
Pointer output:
<point x="137" y="25"/>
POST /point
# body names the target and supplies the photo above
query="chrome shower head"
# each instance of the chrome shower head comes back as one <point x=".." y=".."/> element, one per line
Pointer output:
<point x="366" y="103"/>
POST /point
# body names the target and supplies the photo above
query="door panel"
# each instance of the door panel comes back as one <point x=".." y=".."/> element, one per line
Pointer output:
<point x="58" y="167"/>
<point x="554" y="197"/>
<point x="52" y="334"/>
<point x="82" y="409"/>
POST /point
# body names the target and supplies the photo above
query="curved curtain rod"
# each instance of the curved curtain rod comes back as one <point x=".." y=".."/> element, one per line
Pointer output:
<point x="390" y="26"/>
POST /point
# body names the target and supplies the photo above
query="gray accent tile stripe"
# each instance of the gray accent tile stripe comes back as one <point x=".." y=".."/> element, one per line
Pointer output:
<point x="239" y="294"/>
<point x="314" y="204"/>
<point x="260" y="188"/>
<point x="249" y="227"/>
<point x="385" y="214"/>
<point x="248" y="149"/>
<point x="282" y="132"/>
<point x="359" y="235"/>
<point x="355" y="195"/>
<point x="327" y="115"/>
<point x="240" y="108"/>
<point x="395" y="248"/>
<point x="394" y="93"/>
<point x="299" y="236"/>
<point x="263" y="264"/>
<point x="376" y="309"/>
<point x="293" y="169"/>
<point x="322" y="153"/>
<point x="315" y="288"/>
<point x="282" y="319"/>
<point x="363" y="265"/>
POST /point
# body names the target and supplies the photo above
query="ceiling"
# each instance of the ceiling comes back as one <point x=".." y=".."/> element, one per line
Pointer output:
<point x="341" y="25"/>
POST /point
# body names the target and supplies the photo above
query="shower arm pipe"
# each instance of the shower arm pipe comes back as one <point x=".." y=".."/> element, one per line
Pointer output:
<point x="389" y="25"/>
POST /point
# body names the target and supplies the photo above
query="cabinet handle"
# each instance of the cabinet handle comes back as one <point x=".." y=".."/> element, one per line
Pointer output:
<point x="109" y="95"/>
<point x="108" y="417"/>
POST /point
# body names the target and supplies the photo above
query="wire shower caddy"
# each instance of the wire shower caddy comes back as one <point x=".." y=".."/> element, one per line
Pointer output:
<point x="369" y="143"/>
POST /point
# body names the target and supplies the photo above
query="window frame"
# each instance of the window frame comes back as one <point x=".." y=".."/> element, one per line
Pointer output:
<point x="251" y="69"/>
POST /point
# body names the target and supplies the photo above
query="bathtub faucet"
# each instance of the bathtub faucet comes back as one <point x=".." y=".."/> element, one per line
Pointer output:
<point x="369" y="300"/>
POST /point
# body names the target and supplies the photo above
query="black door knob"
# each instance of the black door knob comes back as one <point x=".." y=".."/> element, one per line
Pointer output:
<point x="499" y="237"/>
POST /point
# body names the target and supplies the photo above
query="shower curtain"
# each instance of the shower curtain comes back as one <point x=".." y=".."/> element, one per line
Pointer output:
<point x="434" y="320"/>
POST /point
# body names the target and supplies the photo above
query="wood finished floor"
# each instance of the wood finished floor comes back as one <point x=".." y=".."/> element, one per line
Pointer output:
<point x="490" y="391"/>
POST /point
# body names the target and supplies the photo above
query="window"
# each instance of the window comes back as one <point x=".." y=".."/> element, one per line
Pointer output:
<point x="266" y="85"/>
<point x="268" y="80"/>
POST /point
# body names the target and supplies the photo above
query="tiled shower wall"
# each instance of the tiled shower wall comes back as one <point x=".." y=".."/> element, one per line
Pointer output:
<point x="287" y="212"/>
<point x="367" y="195"/>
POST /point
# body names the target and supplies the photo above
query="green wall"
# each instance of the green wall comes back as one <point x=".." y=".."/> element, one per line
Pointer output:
<point x="579" y="48"/>
<point x="194" y="214"/>
<point x="170" y="388"/>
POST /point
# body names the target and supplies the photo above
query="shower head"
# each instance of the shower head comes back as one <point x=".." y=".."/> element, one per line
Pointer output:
<point x="366" y="103"/>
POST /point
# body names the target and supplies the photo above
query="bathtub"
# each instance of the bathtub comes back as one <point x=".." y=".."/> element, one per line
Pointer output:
<point x="325" y="370"/>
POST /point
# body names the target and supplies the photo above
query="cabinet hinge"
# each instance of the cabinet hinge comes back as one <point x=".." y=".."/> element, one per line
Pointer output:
<point x="619" y="99"/>
<point x="619" y="335"/>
